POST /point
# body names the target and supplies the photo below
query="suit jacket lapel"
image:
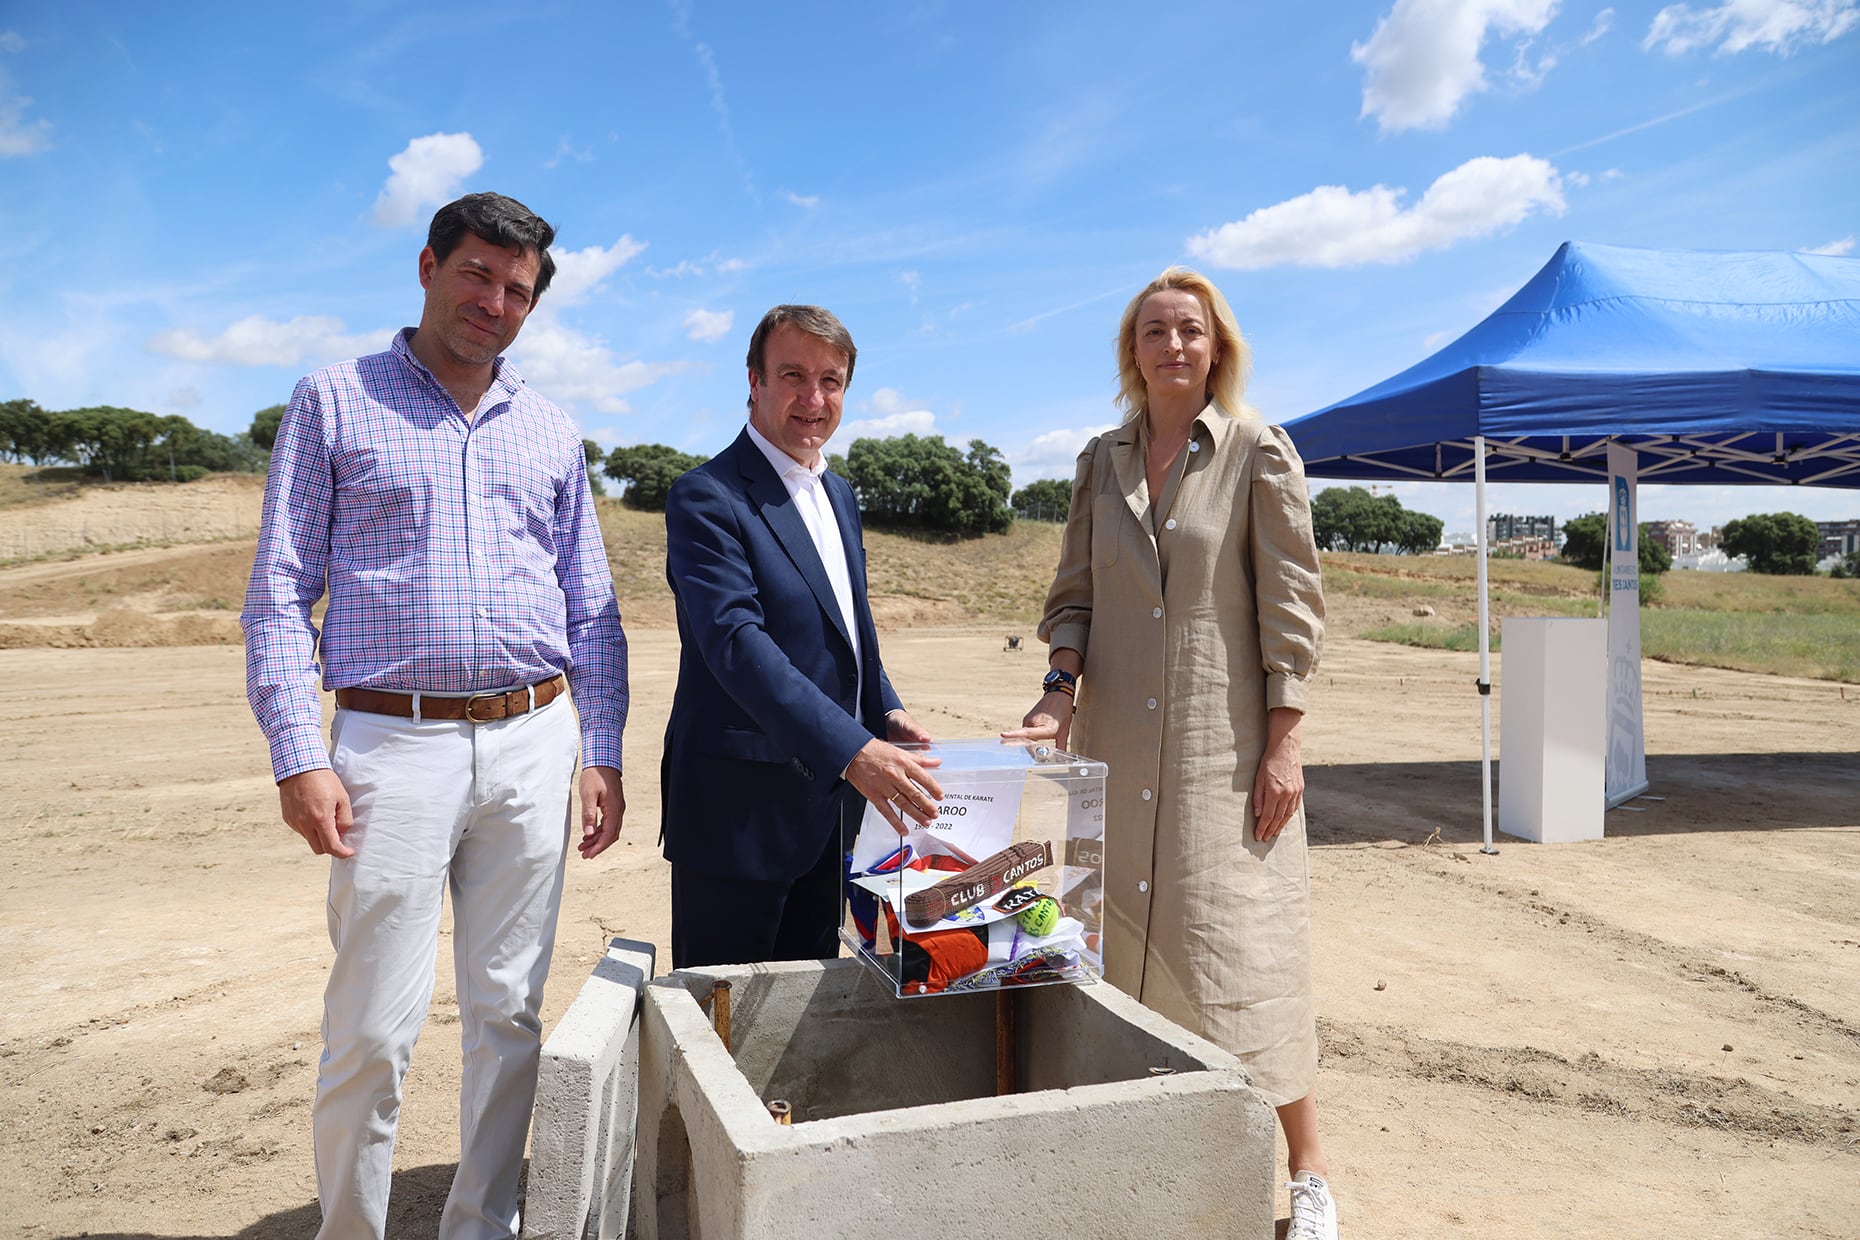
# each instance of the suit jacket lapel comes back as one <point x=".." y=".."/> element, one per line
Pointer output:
<point x="770" y="497"/>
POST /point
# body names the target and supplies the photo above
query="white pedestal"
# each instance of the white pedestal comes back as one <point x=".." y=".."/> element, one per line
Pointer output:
<point x="1553" y="733"/>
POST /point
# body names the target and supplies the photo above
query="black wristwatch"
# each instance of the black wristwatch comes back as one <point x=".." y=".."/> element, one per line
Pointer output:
<point x="1059" y="679"/>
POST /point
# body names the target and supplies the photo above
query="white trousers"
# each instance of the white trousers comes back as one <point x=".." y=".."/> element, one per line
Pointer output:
<point x="482" y="809"/>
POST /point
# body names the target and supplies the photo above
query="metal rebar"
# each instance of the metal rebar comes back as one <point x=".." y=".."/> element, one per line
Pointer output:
<point x="1005" y="1082"/>
<point x="720" y="1011"/>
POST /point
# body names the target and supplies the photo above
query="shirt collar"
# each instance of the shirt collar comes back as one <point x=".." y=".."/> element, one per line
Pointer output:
<point x="504" y="376"/>
<point x="782" y="463"/>
<point x="1210" y="425"/>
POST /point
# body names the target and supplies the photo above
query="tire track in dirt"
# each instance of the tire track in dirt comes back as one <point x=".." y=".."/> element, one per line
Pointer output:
<point x="1590" y="1082"/>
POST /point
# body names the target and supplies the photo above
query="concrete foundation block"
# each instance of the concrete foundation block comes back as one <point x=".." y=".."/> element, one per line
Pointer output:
<point x="581" y="1136"/>
<point x="897" y="1130"/>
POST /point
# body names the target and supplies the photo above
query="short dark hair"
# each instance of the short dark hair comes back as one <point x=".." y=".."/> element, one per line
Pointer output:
<point x="499" y="220"/>
<point x="815" y="321"/>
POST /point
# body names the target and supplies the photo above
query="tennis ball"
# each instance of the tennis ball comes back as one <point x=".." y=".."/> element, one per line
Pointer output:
<point x="1040" y="917"/>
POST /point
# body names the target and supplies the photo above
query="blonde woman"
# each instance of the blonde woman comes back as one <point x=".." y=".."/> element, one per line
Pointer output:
<point x="1184" y="623"/>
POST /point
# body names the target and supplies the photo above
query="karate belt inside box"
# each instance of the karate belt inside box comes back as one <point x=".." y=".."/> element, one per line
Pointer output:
<point x="1005" y="889"/>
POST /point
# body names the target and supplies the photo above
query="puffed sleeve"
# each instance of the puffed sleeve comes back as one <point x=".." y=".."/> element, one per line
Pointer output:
<point x="1067" y="619"/>
<point x="1288" y="594"/>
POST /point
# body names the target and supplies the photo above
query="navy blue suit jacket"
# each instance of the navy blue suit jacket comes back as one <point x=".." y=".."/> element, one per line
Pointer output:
<point x="766" y="714"/>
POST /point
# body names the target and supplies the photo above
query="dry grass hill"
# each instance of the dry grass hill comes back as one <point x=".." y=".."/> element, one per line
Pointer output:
<point x="164" y="565"/>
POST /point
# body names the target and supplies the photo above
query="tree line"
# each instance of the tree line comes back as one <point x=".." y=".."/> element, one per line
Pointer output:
<point x="1779" y="543"/>
<point x="1352" y="519"/>
<point x="905" y="482"/>
<point x="128" y="445"/>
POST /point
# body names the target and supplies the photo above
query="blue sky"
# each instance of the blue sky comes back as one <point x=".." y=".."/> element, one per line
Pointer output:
<point x="200" y="202"/>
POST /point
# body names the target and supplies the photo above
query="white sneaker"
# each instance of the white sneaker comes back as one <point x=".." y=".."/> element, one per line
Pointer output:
<point x="1314" y="1212"/>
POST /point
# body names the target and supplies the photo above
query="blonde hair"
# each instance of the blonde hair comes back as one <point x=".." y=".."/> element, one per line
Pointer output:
<point x="1227" y="378"/>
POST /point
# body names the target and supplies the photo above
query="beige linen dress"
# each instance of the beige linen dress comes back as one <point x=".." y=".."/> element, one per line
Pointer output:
<point x="1195" y="615"/>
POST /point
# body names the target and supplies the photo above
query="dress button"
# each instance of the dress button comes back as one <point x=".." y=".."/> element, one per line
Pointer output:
<point x="1157" y="613"/>
<point x="1169" y="524"/>
<point x="1151" y="703"/>
<point x="1147" y="794"/>
<point x="1143" y="886"/>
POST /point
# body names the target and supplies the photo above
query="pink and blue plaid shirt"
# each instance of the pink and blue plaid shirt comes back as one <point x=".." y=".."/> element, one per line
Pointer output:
<point x="459" y="556"/>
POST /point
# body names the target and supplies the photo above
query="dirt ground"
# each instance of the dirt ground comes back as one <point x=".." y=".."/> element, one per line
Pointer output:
<point x="93" y="516"/>
<point x="1653" y="1035"/>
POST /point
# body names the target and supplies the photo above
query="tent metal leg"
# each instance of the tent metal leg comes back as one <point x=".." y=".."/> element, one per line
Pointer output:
<point x="1485" y="645"/>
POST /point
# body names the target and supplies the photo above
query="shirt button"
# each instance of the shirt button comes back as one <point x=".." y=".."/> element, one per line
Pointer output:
<point x="1151" y="703"/>
<point x="1169" y="524"/>
<point x="1147" y="794"/>
<point x="1157" y="613"/>
<point x="1143" y="886"/>
<point x="1194" y="447"/>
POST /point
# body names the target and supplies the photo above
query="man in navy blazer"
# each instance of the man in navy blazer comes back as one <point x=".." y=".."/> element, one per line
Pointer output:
<point x="783" y="717"/>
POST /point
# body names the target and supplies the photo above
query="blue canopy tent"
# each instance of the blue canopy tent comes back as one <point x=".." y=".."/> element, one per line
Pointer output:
<point x="1715" y="367"/>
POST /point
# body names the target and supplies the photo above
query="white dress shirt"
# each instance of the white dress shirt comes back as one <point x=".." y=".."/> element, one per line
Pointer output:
<point x="808" y="488"/>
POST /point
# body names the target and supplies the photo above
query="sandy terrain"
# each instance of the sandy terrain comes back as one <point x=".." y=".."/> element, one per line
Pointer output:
<point x="1654" y="1035"/>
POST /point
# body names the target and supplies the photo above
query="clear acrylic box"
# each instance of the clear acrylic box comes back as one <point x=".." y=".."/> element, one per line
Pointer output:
<point x="1006" y="889"/>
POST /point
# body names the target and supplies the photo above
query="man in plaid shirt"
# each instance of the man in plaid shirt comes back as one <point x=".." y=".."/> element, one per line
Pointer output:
<point x="445" y="509"/>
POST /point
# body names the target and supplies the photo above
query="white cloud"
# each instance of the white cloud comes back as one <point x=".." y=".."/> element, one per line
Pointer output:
<point x="1334" y="227"/>
<point x="1053" y="454"/>
<point x="1834" y="249"/>
<point x="800" y="200"/>
<point x="12" y="41"/>
<point x="912" y="280"/>
<point x="571" y="368"/>
<point x="1780" y="26"/>
<point x="894" y="416"/>
<point x="18" y="134"/>
<point x="709" y="326"/>
<point x="1423" y="59"/>
<point x="578" y="272"/>
<point x="258" y="341"/>
<point x="567" y="150"/>
<point x="1604" y="22"/>
<point x="426" y="175"/>
<point x="918" y="422"/>
<point x="703" y="266"/>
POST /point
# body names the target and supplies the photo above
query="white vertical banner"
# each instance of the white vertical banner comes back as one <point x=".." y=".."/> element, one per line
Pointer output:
<point x="1627" y="751"/>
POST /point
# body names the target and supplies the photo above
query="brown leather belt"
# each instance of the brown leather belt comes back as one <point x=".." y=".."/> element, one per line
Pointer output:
<point x="482" y="708"/>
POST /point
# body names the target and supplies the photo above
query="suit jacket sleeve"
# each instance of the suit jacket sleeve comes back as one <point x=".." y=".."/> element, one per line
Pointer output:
<point x="708" y="562"/>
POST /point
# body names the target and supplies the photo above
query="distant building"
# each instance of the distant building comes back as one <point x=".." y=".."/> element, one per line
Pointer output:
<point x="1504" y="527"/>
<point x="1838" y="538"/>
<point x="1678" y="537"/>
<point x="1525" y="548"/>
<point x="1709" y="540"/>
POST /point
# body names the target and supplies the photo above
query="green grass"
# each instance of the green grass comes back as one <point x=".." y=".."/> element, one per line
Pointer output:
<point x="1783" y="626"/>
<point x="1431" y="636"/>
<point x="1820" y="646"/>
<point x="1817" y="646"/>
